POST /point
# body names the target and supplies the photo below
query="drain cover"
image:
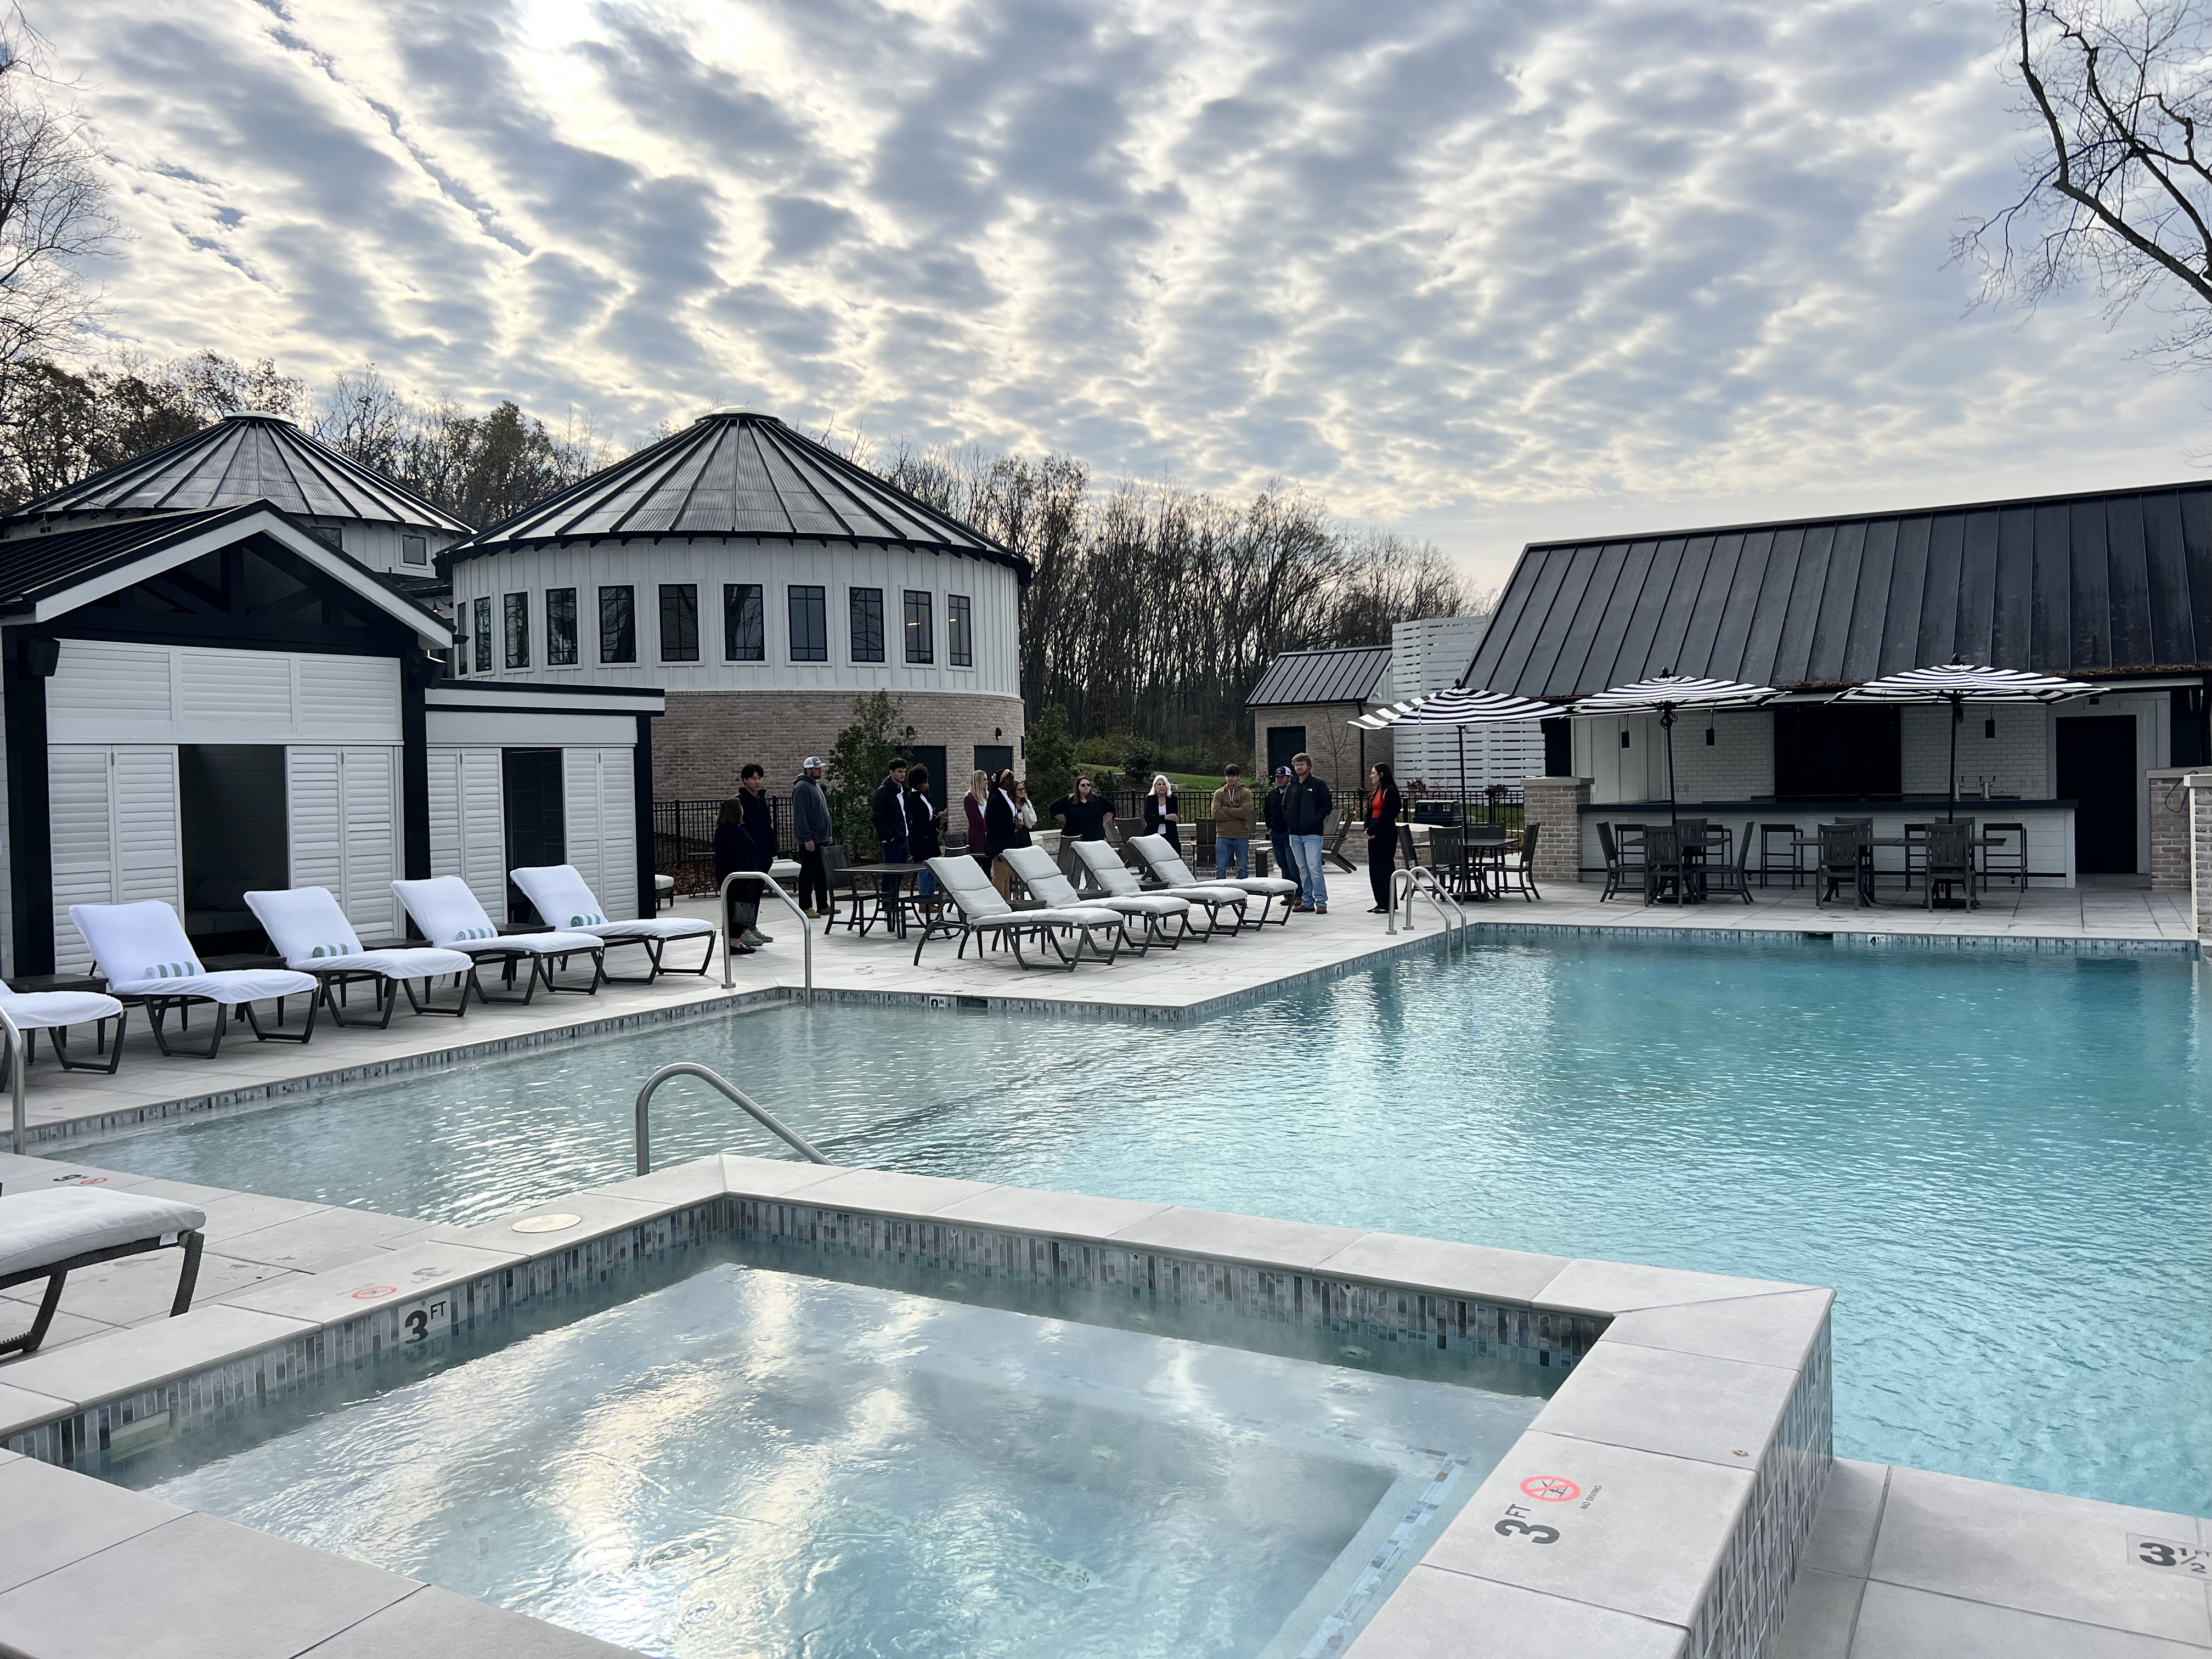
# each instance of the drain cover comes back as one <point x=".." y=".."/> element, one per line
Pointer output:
<point x="546" y="1224"/>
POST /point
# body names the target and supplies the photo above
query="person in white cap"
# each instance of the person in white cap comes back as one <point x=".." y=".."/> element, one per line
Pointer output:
<point x="809" y="828"/>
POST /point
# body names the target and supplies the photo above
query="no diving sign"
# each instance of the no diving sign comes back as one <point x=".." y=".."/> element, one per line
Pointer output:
<point x="1550" y="1489"/>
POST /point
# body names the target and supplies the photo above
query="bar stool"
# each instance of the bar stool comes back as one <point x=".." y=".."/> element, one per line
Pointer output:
<point x="2010" y="862"/>
<point x="1771" y="864"/>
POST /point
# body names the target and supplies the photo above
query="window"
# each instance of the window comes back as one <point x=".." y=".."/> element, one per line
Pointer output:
<point x="329" y="535"/>
<point x="867" y="608"/>
<point x="560" y="627"/>
<point x="679" y="621"/>
<point x="809" y="624"/>
<point x="744" y="625"/>
<point x="518" y="631"/>
<point x="618" y="624"/>
<point x="920" y="645"/>
<point x="960" y="629"/>
<point x="483" y="636"/>
<point x="413" y="550"/>
<point x="457" y="654"/>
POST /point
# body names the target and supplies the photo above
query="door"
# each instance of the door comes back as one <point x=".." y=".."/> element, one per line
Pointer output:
<point x="1283" y="742"/>
<point x="993" y="757"/>
<point x="115" y="835"/>
<point x="533" y="794"/>
<point x="2098" y="772"/>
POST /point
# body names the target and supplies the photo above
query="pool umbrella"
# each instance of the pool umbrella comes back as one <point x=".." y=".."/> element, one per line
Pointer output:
<point x="1960" y="683"/>
<point x="1663" y="695"/>
<point x="1456" y="706"/>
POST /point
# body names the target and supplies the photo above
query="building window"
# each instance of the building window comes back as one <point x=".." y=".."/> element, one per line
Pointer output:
<point x="560" y="627"/>
<point x="867" y="611"/>
<point x="483" y="636"/>
<point x="809" y="624"/>
<point x="413" y="550"/>
<point x="921" y="643"/>
<point x="329" y="535"/>
<point x="518" y="631"/>
<point x="457" y="654"/>
<point x="745" y="624"/>
<point x="960" y="629"/>
<point x="679" y="621"/>
<point x="618" y="624"/>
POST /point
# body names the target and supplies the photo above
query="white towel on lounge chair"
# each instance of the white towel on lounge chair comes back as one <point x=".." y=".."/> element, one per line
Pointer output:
<point x="142" y="951"/>
<point x="982" y="906"/>
<point x="1120" y="880"/>
<point x="54" y="1224"/>
<point x="451" y="919"/>
<point x="1043" y="877"/>
<point x="564" y="899"/>
<point x="311" y="931"/>
<point x="49" y="1011"/>
<point x="1167" y="864"/>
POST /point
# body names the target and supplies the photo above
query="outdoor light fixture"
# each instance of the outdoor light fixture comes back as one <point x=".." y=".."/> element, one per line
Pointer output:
<point x="1624" y="740"/>
<point x="1709" y="736"/>
<point x="997" y="731"/>
<point x="1990" y="727"/>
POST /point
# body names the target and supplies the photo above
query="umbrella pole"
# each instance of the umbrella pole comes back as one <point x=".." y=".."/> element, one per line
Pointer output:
<point x="1461" y="732"/>
<point x="1667" y="725"/>
<point x="1958" y="713"/>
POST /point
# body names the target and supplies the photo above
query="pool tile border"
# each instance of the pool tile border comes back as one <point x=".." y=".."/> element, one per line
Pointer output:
<point x="2002" y="943"/>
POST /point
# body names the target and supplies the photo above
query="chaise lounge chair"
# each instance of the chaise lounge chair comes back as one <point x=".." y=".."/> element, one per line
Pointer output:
<point x="1043" y="877"/>
<point x="49" y="1234"/>
<point x="972" y="909"/>
<point x="1161" y="857"/>
<point x="148" y="963"/>
<point x="1116" y="880"/>
<point x="54" y="1012"/>
<point x="564" y="899"/>
<point x="452" y="920"/>
<point x="313" y="935"/>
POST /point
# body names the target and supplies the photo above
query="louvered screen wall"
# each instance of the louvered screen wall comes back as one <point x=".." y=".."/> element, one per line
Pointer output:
<point x="344" y="806"/>
<point x="468" y="831"/>
<point x="602" y="825"/>
<point x="115" y="841"/>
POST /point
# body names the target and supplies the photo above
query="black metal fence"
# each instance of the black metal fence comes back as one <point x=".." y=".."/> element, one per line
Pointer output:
<point x="684" y="839"/>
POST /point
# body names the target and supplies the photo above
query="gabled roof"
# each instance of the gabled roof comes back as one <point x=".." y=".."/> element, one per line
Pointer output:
<point x="44" y="577"/>
<point x="243" y="457"/>
<point x="1341" y="674"/>
<point x="734" y="473"/>
<point x="2100" y="584"/>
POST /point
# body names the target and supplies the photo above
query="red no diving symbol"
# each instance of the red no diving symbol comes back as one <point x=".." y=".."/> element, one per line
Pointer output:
<point x="369" y="1292"/>
<point x="1550" y="1488"/>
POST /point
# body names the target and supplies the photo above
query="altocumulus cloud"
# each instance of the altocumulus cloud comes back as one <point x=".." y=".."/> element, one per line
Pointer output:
<point x="1475" y="269"/>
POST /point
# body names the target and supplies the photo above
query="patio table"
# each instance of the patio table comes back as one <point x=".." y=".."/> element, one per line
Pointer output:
<point x="897" y="917"/>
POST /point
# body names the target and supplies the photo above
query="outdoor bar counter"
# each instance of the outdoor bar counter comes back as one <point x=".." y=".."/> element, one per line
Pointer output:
<point x="2049" y="825"/>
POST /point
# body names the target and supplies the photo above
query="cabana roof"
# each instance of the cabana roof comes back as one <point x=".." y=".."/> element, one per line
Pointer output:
<point x="1340" y="674"/>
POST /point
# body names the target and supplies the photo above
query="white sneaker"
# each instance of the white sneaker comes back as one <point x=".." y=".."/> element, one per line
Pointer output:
<point x="754" y="937"/>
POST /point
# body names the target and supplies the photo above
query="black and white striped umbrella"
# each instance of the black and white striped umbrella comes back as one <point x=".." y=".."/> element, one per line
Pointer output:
<point x="1456" y="706"/>
<point x="1668" y="692"/>
<point x="1960" y="683"/>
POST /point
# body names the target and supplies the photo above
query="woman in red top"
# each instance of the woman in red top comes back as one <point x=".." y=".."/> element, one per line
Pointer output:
<point x="1382" y="805"/>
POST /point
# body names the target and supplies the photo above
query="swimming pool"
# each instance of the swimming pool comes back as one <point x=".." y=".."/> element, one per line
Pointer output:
<point x="1999" y="1161"/>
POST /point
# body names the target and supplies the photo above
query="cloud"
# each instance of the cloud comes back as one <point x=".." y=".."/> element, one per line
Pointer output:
<point x="1475" y="270"/>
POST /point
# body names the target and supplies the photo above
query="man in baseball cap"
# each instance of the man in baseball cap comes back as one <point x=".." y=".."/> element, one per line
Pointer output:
<point x="809" y="828"/>
<point x="1279" y="833"/>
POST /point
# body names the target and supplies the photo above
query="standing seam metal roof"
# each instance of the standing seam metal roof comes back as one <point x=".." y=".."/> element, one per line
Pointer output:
<point x="1345" y="674"/>
<point x="2106" y="583"/>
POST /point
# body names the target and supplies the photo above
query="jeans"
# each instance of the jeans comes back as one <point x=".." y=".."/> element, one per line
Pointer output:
<point x="926" y="883"/>
<point x="1287" y="860"/>
<point x="1226" y="848"/>
<point x="894" y="853"/>
<point x="1313" y="886"/>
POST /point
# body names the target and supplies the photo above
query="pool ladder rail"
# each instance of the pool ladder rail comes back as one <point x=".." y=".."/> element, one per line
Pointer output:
<point x="761" y="1114"/>
<point x="806" y="933"/>
<point x="1419" y="878"/>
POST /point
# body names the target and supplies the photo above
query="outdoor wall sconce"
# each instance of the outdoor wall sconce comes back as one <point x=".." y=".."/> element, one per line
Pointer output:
<point x="1709" y="736"/>
<point x="1624" y="740"/>
<point x="1990" y="728"/>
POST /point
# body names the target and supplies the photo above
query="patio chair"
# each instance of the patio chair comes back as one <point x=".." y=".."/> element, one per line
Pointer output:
<point x="313" y="935"/>
<point x="451" y="919"/>
<point x="1518" y="874"/>
<point x="1116" y="880"/>
<point x="972" y="909"/>
<point x="149" y="963"/>
<point x="1619" y="870"/>
<point x="1950" y="862"/>
<point x="564" y="898"/>
<point x="1160" y="856"/>
<point x="54" y="1012"/>
<point x="1721" y="876"/>
<point x="1784" y="861"/>
<point x="2008" y="860"/>
<point x="1333" y="852"/>
<point x="1843" y="859"/>
<point x="1665" y="869"/>
<point x="1050" y="886"/>
<point x="49" y="1233"/>
<point x="1916" y="852"/>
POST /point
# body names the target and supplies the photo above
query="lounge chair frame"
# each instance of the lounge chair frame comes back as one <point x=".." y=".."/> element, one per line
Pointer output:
<point x="158" y="1009"/>
<point x="56" y="1273"/>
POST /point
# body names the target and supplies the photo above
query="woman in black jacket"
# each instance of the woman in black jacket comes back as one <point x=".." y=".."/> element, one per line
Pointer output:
<point x="1163" y="812"/>
<point x="1002" y="828"/>
<point x="923" y="841"/>
<point x="734" y="851"/>
<point x="1383" y="806"/>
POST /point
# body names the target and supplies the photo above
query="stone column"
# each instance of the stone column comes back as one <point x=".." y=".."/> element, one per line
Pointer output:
<point x="2200" y="843"/>
<point x="1554" y="803"/>
<point x="2170" y="834"/>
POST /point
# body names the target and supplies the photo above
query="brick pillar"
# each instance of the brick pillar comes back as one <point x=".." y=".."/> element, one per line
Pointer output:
<point x="2170" y="827"/>
<point x="2199" y="838"/>
<point x="1553" y="803"/>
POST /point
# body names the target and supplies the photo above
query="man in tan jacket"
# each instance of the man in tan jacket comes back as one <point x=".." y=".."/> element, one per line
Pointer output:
<point x="1232" y="824"/>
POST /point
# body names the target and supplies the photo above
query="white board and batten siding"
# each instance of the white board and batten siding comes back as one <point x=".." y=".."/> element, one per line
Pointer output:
<point x="113" y="693"/>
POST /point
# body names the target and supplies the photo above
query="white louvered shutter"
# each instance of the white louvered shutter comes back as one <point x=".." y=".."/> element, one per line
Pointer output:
<point x="370" y="791"/>
<point x="115" y="835"/>
<point x="580" y="785"/>
<point x="618" y="884"/>
<point x="312" y="788"/>
<point x="468" y="822"/>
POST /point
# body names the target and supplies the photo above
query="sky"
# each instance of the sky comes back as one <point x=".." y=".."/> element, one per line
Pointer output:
<point x="1478" y="272"/>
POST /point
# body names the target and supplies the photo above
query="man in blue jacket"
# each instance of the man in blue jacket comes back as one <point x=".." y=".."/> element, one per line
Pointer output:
<point x="888" y="811"/>
<point x="1306" y="806"/>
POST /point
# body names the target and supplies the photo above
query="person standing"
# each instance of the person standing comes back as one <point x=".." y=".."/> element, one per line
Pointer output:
<point x="1306" y="806"/>
<point x="1163" y="811"/>
<point x="973" y="804"/>
<point x="1086" y="813"/>
<point x="1232" y="825"/>
<point x="922" y="839"/>
<point x="1003" y="828"/>
<point x="1279" y="833"/>
<point x="887" y="812"/>
<point x="809" y="828"/>
<point x="760" y="837"/>
<point x="1382" y="808"/>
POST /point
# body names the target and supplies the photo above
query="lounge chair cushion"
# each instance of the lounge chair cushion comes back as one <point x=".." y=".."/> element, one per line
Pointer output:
<point x="450" y="918"/>
<point x="1041" y="873"/>
<point x="142" y="951"/>
<point x="564" y="898"/>
<point x="662" y="927"/>
<point x="1167" y="865"/>
<point x="311" y="931"/>
<point x="982" y="906"/>
<point x="38" y="1229"/>
<point x="47" y="1011"/>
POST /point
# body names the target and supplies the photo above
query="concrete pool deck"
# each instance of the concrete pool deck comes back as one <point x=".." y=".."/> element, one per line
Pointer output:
<point x="1682" y="1465"/>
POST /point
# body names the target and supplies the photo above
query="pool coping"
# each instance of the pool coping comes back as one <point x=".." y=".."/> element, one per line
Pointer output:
<point x="1664" y="1493"/>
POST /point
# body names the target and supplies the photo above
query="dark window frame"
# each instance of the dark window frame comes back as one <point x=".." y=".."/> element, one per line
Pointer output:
<point x="515" y="614"/>
<point x="484" y="635"/>
<point x="618" y="642"/>
<point x="864" y="621"/>
<point x="810" y="635"/>
<point x="919" y="629"/>
<point x="560" y="628"/>
<point x="679" y="621"/>
<point x="959" y="631"/>
<point x="744" y="633"/>
<point x="415" y="550"/>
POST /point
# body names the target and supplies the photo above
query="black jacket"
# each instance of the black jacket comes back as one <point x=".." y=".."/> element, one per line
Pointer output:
<point x="1156" y="819"/>
<point x="735" y="849"/>
<point x="1002" y="827"/>
<point x="760" y="827"/>
<point x="1272" y="802"/>
<point x="888" y="812"/>
<point x="921" y="838"/>
<point x="1306" y="806"/>
<point x="1387" y="825"/>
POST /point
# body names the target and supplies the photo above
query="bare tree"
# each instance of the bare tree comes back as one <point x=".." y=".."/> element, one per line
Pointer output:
<point x="2117" y="190"/>
<point x="54" y="207"/>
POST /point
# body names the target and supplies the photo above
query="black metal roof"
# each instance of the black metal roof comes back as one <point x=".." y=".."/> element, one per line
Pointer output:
<point x="243" y="457"/>
<point x="2109" y="583"/>
<point x="1340" y="674"/>
<point x="734" y="473"/>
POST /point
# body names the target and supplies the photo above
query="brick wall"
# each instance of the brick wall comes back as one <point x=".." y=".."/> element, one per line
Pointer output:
<point x="705" y="736"/>
<point x="2170" y="827"/>
<point x="1553" y="803"/>
<point x="2017" y="760"/>
<point x="1738" y="764"/>
<point x="1331" y="741"/>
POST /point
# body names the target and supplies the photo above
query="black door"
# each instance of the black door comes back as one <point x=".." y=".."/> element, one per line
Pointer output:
<point x="991" y="757"/>
<point x="1283" y="742"/>
<point x="932" y="756"/>
<point x="2097" y="771"/>
<point x="537" y="820"/>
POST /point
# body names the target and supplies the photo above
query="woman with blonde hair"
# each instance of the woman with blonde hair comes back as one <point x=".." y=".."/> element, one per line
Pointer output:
<point x="977" y="797"/>
<point x="1163" y="811"/>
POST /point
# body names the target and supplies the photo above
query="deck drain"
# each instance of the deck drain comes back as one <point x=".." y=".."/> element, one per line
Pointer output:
<point x="546" y="1224"/>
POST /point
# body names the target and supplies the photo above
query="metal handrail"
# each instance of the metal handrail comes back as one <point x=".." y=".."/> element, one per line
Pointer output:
<point x="1419" y="880"/>
<point x="806" y="933"/>
<point x="18" y="1060"/>
<point x="764" y="1117"/>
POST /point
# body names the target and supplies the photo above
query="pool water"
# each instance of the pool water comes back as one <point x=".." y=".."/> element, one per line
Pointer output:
<point x="755" y="1462"/>
<point x="2001" y="1162"/>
